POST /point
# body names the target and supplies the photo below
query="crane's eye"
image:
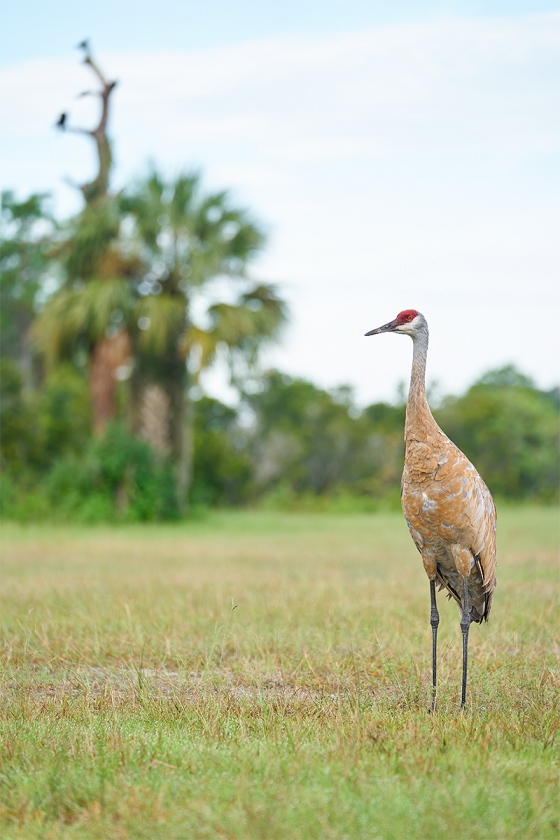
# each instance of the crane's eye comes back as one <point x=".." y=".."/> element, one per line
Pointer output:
<point x="410" y="317"/>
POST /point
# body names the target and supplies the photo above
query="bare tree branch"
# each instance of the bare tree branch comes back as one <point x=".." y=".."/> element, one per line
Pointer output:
<point x="99" y="187"/>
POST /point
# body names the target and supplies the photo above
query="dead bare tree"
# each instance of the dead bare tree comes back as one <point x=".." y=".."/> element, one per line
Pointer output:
<point x="91" y="255"/>
<point x="99" y="186"/>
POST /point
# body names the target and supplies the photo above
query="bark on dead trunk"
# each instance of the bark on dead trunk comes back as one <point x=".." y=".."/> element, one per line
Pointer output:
<point x="99" y="186"/>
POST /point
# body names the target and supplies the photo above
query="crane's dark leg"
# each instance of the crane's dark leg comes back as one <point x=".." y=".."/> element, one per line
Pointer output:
<point x="465" y="624"/>
<point x="434" y="621"/>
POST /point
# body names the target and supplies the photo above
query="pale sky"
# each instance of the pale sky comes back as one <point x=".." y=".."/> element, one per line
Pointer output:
<point x="402" y="155"/>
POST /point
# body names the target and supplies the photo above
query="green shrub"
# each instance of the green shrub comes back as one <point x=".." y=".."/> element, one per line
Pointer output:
<point x="221" y="465"/>
<point x="118" y="477"/>
<point x="42" y="426"/>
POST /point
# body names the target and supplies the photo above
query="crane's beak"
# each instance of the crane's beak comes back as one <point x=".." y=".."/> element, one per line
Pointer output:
<point x="390" y="327"/>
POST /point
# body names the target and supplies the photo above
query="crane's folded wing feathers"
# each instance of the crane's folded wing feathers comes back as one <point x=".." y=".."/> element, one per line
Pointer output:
<point x="448" y="508"/>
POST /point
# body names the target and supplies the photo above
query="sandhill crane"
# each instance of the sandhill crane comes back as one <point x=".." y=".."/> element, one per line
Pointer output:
<point x="448" y="508"/>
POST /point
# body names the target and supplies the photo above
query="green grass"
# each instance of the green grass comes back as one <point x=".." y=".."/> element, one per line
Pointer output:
<point x="265" y="675"/>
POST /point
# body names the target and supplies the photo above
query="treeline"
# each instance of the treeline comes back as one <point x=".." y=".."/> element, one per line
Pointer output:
<point x="287" y="444"/>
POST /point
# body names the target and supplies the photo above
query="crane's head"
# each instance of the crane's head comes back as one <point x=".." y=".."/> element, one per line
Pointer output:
<point x="408" y="322"/>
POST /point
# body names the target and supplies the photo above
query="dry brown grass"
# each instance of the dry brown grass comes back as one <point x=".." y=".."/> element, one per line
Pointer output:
<point x="267" y="675"/>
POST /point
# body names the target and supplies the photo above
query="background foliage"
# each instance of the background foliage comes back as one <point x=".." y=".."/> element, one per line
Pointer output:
<point x="286" y="444"/>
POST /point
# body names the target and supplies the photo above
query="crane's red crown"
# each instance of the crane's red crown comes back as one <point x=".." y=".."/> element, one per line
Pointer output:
<point x="406" y="316"/>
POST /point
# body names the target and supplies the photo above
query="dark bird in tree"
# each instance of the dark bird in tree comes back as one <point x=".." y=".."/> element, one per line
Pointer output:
<point x="83" y="45"/>
<point x="448" y="508"/>
<point x="61" y="122"/>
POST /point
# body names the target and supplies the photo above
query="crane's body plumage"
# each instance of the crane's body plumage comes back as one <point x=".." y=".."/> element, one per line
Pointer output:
<point x="447" y="506"/>
<point x="452" y="519"/>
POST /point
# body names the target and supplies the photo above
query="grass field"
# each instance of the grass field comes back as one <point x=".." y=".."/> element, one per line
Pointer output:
<point x="266" y="675"/>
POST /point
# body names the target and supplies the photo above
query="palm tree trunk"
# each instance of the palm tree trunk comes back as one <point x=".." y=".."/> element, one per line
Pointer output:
<point x="160" y="412"/>
<point x="153" y="417"/>
<point x="108" y="355"/>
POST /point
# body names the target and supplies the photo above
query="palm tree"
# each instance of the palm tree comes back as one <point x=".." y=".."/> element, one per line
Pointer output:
<point x="194" y="248"/>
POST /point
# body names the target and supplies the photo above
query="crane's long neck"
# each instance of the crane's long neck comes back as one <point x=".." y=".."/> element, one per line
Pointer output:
<point x="419" y="419"/>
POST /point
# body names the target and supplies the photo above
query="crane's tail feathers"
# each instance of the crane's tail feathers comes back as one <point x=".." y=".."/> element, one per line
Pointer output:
<point x="479" y="612"/>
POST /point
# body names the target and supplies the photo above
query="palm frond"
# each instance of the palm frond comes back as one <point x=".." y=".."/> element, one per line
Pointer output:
<point x="258" y="317"/>
<point x="184" y="195"/>
<point x="264" y="297"/>
<point x="83" y="313"/>
<point x="200" y="347"/>
<point x="189" y="234"/>
<point x="161" y="322"/>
